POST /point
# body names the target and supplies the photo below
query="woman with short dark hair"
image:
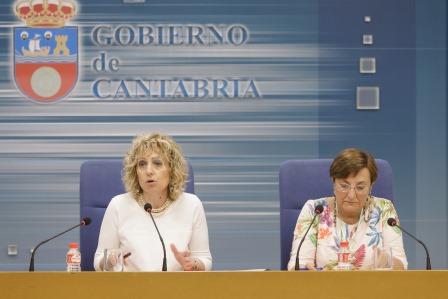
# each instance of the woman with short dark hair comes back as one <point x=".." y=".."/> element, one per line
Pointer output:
<point x="352" y="215"/>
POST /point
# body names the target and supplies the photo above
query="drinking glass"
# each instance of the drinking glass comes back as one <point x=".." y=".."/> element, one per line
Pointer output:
<point x="383" y="259"/>
<point x="113" y="260"/>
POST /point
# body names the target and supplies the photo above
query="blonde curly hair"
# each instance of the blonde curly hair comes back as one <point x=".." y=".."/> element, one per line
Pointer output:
<point x="171" y="154"/>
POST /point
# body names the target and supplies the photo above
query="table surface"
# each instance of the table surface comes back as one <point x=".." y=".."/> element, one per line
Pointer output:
<point x="238" y="284"/>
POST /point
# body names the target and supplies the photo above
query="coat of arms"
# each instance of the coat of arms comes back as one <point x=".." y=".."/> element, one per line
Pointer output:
<point x="45" y="51"/>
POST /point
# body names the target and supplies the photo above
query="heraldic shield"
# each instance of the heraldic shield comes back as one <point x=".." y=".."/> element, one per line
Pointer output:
<point x="46" y="62"/>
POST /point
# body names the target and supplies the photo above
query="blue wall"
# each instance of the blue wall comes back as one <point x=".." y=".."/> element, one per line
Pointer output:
<point x="431" y="151"/>
<point x="409" y="130"/>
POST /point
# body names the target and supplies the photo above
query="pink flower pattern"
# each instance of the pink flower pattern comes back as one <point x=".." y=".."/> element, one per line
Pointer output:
<point x="325" y="238"/>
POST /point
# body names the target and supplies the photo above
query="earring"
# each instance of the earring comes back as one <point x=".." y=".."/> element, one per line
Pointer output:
<point x="171" y="188"/>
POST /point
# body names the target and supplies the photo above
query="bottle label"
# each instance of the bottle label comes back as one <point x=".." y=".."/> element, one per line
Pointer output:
<point x="73" y="258"/>
<point x="344" y="257"/>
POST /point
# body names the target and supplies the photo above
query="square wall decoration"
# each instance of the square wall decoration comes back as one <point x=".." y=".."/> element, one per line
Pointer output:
<point x="367" y="98"/>
<point x="367" y="39"/>
<point x="367" y="65"/>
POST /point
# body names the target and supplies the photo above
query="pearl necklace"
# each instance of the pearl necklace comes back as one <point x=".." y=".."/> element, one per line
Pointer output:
<point x="159" y="211"/>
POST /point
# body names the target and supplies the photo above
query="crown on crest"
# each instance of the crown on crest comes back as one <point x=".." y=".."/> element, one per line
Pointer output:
<point x="45" y="13"/>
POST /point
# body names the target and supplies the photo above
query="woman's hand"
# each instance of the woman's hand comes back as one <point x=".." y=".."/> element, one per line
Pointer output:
<point x="184" y="259"/>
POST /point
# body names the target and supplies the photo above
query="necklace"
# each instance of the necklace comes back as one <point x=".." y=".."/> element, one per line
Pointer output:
<point x="165" y="205"/>
<point x="349" y="235"/>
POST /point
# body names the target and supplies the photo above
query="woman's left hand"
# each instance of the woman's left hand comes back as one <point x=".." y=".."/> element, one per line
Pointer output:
<point x="183" y="258"/>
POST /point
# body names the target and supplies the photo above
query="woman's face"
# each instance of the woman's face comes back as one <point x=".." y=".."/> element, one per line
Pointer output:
<point x="351" y="193"/>
<point x="153" y="173"/>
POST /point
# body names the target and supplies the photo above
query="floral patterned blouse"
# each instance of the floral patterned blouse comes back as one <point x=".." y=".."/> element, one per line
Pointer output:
<point x="322" y="241"/>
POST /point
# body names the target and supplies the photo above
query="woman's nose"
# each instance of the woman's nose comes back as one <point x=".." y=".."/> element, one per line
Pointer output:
<point x="149" y="169"/>
<point x="351" y="193"/>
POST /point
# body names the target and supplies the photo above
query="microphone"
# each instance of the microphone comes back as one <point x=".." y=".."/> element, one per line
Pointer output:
<point x="393" y="222"/>
<point x="84" y="221"/>
<point x="148" y="208"/>
<point x="317" y="211"/>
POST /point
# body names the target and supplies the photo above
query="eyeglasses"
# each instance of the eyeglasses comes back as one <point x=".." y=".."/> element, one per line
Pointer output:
<point x="345" y="188"/>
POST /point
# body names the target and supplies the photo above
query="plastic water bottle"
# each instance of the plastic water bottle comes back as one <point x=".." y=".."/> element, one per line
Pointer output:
<point x="344" y="257"/>
<point x="73" y="258"/>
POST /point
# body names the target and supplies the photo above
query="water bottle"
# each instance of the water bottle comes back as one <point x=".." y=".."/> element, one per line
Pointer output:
<point x="344" y="257"/>
<point x="73" y="258"/>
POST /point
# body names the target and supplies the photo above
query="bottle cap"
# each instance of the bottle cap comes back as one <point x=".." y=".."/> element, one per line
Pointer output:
<point x="344" y="243"/>
<point x="73" y="245"/>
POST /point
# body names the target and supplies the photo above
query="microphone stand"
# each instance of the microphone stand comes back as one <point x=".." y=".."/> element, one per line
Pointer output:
<point x="428" y="261"/>
<point x="85" y="221"/>
<point x="317" y="211"/>
<point x="148" y="208"/>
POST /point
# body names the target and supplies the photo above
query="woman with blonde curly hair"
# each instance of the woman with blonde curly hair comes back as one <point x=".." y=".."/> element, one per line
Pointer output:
<point x="155" y="172"/>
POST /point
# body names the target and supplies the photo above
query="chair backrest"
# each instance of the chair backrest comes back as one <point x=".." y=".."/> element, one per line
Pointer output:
<point x="100" y="181"/>
<point x="300" y="180"/>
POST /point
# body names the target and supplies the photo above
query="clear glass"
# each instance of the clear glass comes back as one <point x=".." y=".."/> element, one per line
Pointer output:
<point x="113" y="260"/>
<point x="383" y="259"/>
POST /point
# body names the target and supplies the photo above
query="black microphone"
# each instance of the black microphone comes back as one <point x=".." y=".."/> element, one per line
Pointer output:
<point x="84" y="221"/>
<point x="317" y="210"/>
<point x="148" y="208"/>
<point x="393" y="222"/>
